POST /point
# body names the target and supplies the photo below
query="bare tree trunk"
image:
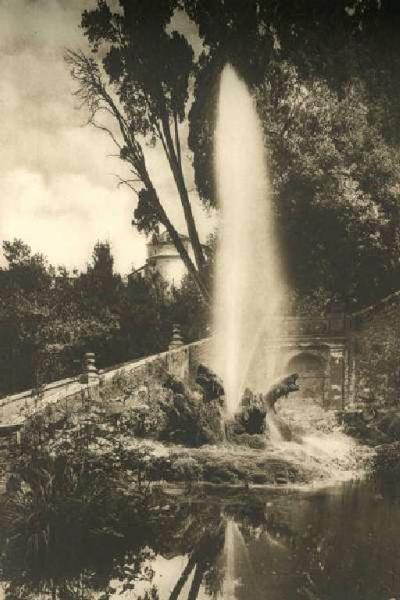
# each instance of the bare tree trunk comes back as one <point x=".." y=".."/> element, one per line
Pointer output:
<point x="177" y="171"/>
<point x="94" y="94"/>
<point x="183" y="578"/>
<point x="197" y="579"/>
<point x="176" y="239"/>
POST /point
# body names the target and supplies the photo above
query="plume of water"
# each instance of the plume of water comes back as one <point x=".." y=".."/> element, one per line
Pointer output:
<point x="248" y="283"/>
<point x="230" y="582"/>
<point x="239" y="577"/>
<point x="236" y="555"/>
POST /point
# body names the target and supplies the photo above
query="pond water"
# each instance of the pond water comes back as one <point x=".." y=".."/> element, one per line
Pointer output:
<point x="335" y="543"/>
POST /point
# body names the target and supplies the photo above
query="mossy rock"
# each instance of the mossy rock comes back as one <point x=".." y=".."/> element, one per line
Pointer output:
<point x="174" y="384"/>
<point x="251" y="417"/>
<point x="256" y="441"/>
<point x="191" y="421"/>
<point x="210" y="384"/>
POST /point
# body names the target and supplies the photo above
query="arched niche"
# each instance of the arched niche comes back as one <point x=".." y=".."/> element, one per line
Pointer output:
<point x="311" y="367"/>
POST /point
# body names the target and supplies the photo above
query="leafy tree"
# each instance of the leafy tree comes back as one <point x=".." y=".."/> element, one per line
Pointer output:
<point x="325" y="77"/>
<point x="187" y="306"/>
<point x="336" y="186"/>
<point x="25" y="271"/>
<point x="100" y="285"/>
<point x="145" y="316"/>
<point x="49" y="319"/>
<point x="23" y="290"/>
<point x="147" y="69"/>
<point x="328" y="70"/>
<point x="190" y="312"/>
<point x="378" y="359"/>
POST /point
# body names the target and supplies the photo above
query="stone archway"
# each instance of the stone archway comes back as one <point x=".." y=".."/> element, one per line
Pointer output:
<point x="311" y="369"/>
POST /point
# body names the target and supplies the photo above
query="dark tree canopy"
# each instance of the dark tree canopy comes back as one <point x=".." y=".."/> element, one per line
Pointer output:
<point x="325" y="76"/>
<point x="330" y="41"/>
<point x="49" y="317"/>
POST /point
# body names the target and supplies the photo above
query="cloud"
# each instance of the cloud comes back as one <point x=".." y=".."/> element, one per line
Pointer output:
<point x="68" y="215"/>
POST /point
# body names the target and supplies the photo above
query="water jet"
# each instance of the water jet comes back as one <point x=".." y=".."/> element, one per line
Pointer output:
<point x="249" y="277"/>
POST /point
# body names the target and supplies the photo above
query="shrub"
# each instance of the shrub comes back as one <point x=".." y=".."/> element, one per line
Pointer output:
<point x="386" y="463"/>
<point x="190" y="421"/>
<point x="187" y="469"/>
<point x="145" y="420"/>
<point x="390" y="424"/>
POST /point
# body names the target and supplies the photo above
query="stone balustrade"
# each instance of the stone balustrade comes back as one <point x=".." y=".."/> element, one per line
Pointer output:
<point x="332" y="325"/>
<point x="180" y="361"/>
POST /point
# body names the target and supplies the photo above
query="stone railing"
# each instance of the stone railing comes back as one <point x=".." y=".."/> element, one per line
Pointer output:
<point x="329" y="326"/>
<point x="180" y="361"/>
<point x="15" y="408"/>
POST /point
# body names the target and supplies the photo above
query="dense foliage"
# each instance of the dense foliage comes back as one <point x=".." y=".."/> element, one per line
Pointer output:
<point x="378" y="352"/>
<point x="79" y="512"/>
<point x="82" y="521"/>
<point x="49" y="317"/>
<point x="325" y="79"/>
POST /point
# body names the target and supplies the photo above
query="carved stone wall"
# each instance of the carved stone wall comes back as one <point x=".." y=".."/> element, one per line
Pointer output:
<point x="318" y="349"/>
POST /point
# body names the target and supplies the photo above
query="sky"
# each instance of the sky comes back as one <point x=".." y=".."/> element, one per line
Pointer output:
<point x="58" y="184"/>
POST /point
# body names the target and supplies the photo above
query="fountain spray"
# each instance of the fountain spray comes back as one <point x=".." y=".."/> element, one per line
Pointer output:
<point x="249" y="280"/>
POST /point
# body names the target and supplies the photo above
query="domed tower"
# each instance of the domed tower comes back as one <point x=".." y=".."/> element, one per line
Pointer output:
<point x="163" y="257"/>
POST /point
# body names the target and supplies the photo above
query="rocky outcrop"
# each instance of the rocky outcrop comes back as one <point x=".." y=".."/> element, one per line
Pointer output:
<point x="258" y="415"/>
<point x="210" y="383"/>
<point x="281" y="389"/>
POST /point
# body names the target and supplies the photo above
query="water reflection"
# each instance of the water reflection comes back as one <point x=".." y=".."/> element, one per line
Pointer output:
<point x="334" y="544"/>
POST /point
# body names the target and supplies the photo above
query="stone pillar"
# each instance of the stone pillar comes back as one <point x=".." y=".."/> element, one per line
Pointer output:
<point x="176" y="341"/>
<point x="351" y="379"/>
<point x="337" y="379"/>
<point x="178" y="362"/>
<point x="89" y="374"/>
